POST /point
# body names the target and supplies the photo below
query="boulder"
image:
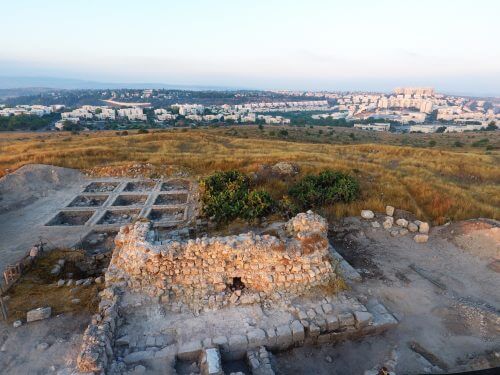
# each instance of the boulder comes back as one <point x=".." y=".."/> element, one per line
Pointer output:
<point x="38" y="314"/>
<point x="423" y="228"/>
<point x="367" y="214"/>
<point x="402" y="222"/>
<point x="389" y="210"/>
<point x="285" y="169"/>
<point x="412" y="227"/>
<point x="421" y="238"/>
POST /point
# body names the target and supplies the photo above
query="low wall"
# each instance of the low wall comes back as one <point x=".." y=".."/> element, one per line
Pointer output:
<point x="207" y="270"/>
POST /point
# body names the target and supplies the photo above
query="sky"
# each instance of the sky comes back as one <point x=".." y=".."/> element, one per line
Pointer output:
<point x="453" y="45"/>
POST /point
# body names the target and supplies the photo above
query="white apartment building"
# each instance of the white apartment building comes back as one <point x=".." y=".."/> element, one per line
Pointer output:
<point x="380" y="127"/>
<point x="133" y="114"/>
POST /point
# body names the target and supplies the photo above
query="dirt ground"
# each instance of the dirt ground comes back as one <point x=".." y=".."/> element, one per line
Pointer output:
<point x="449" y="308"/>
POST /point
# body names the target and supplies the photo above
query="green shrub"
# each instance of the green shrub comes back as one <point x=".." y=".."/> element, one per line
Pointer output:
<point x="258" y="204"/>
<point x="224" y="195"/>
<point x="326" y="188"/>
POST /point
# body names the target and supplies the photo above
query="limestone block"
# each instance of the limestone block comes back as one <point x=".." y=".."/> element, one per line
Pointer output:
<point x="421" y="238"/>
<point x="367" y="214"/>
<point x="363" y="318"/>
<point x="256" y="337"/>
<point x="39" y="313"/>
<point x="346" y="320"/>
<point x="332" y="322"/>
<point x="402" y="222"/>
<point x="412" y="227"/>
<point x="210" y="362"/>
<point x="284" y="337"/>
<point x="297" y="331"/>
<point x="389" y="210"/>
<point x="423" y="228"/>
<point x="190" y="350"/>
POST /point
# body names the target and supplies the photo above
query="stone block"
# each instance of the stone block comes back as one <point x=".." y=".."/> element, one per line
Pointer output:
<point x="367" y="214"/>
<point x="284" y="337"/>
<point x="346" y="320"/>
<point x="421" y="238"/>
<point x="423" y="228"/>
<point x="332" y="322"/>
<point x="222" y="342"/>
<point x="412" y="227"/>
<point x="297" y="328"/>
<point x="210" y="362"/>
<point x="363" y="318"/>
<point x="136" y="357"/>
<point x="38" y="314"/>
<point x="389" y="210"/>
<point x="402" y="222"/>
<point x="256" y="337"/>
<point x="271" y="337"/>
<point x="190" y="351"/>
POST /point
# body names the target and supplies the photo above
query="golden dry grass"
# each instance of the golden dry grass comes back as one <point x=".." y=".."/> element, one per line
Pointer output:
<point x="436" y="183"/>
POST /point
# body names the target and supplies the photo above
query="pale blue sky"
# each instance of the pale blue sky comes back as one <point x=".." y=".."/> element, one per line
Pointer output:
<point x="314" y="44"/>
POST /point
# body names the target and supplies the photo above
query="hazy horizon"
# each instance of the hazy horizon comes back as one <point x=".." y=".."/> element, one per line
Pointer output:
<point x="321" y="45"/>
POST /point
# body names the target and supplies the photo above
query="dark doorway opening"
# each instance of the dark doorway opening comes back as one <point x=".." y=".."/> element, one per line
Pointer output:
<point x="237" y="284"/>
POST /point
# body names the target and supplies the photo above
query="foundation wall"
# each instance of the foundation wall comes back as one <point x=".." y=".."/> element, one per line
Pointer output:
<point x="198" y="269"/>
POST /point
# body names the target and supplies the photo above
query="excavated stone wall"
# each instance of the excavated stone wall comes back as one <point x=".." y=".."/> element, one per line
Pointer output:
<point x="204" y="271"/>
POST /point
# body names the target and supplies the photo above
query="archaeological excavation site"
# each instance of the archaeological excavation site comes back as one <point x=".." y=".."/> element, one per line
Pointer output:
<point x="119" y="275"/>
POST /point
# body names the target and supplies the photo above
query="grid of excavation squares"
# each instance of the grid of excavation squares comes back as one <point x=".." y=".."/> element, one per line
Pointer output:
<point x="119" y="217"/>
<point x="70" y="218"/>
<point x="101" y="187"/>
<point x="171" y="199"/>
<point x="88" y="201"/>
<point x="166" y="214"/>
<point x="130" y="200"/>
<point x="138" y="186"/>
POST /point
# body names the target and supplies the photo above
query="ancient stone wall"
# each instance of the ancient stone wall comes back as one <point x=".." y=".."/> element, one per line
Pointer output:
<point x="209" y="270"/>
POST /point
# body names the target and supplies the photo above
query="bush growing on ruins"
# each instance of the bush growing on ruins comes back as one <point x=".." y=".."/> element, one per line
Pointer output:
<point x="258" y="204"/>
<point x="326" y="188"/>
<point x="227" y="196"/>
<point x="224" y="195"/>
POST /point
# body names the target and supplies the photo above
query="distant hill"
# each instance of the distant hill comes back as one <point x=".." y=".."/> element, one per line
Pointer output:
<point x="45" y="83"/>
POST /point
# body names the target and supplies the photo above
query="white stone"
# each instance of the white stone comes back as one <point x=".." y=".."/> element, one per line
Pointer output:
<point x="367" y="214"/>
<point x="389" y="210"/>
<point x="423" y="228"/>
<point x="402" y="222"/>
<point x="38" y="314"/>
<point x="421" y="238"/>
<point x="17" y="324"/>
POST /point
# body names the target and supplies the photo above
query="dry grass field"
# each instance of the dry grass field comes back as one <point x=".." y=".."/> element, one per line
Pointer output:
<point x="439" y="177"/>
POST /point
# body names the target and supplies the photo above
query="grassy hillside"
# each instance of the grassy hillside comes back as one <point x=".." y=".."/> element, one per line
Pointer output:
<point x="438" y="177"/>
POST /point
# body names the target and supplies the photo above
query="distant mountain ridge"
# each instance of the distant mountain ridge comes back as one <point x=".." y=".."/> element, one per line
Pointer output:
<point x="43" y="83"/>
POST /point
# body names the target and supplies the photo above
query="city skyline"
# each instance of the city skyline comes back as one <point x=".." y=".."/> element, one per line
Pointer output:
<point x="323" y="45"/>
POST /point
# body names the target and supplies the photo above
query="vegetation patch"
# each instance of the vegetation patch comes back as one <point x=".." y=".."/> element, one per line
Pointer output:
<point x="328" y="187"/>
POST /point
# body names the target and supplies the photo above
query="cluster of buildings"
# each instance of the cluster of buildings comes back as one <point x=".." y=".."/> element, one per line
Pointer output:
<point x="29" y="110"/>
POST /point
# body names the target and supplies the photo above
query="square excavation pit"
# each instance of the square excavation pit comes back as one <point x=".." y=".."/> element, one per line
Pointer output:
<point x="140" y="186"/>
<point x="101" y="187"/>
<point x="71" y="218"/>
<point x="130" y="200"/>
<point x="118" y="217"/>
<point x="180" y="198"/>
<point x="175" y="185"/>
<point x="166" y="214"/>
<point x="99" y="241"/>
<point x="88" y="201"/>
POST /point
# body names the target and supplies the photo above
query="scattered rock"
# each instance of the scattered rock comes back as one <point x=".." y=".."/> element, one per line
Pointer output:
<point x="56" y="270"/>
<point x="387" y="224"/>
<point x="42" y="346"/>
<point x="75" y="301"/>
<point x="423" y="228"/>
<point x="329" y="359"/>
<point x="98" y="280"/>
<point x="61" y="282"/>
<point x="17" y="324"/>
<point x="402" y="222"/>
<point x="375" y="224"/>
<point x="394" y="233"/>
<point x="403" y="232"/>
<point x="412" y="227"/>
<point x="70" y="282"/>
<point x="420" y="238"/>
<point x="367" y="214"/>
<point x="38" y="314"/>
<point x="389" y="210"/>
<point x="285" y="169"/>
